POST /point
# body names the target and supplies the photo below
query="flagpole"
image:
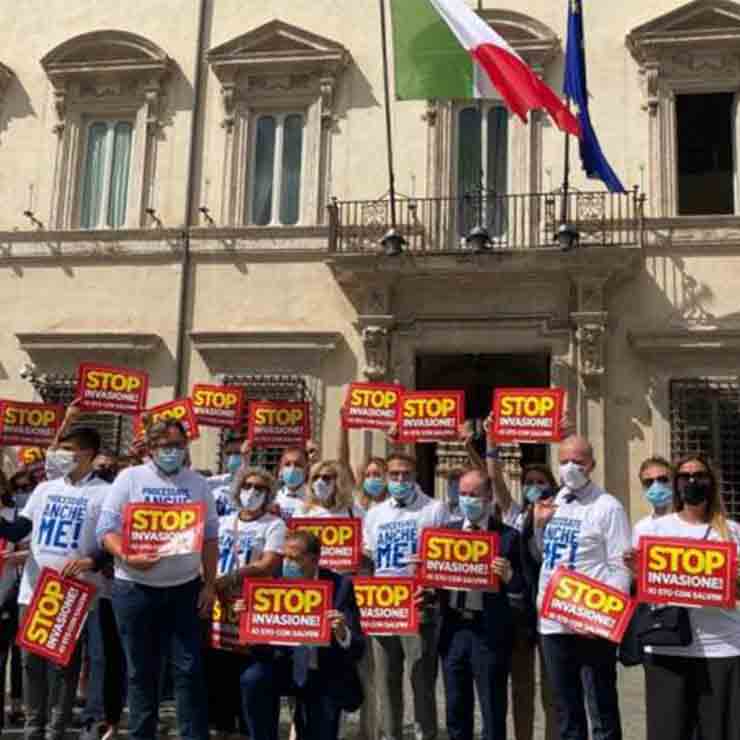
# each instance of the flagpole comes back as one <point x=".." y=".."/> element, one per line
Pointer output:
<point x="392" y="241"/>
<point x="564" y="210"/>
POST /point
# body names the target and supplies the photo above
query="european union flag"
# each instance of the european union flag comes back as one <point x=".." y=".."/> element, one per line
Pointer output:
<point x="575" y="88"/>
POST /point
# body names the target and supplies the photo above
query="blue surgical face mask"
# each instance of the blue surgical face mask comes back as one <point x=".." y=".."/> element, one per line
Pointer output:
<point x="292" y="476"/>
<point x="373" y="487"/>
<point x="170" y="459"/>
<point x="659" y="495"/>
<point x="534" y="493"/>
<point x="401" y="490"/>
<point x="291" y="569"/>
<point x="473" y="508"/>
<point x="233" y="463"/>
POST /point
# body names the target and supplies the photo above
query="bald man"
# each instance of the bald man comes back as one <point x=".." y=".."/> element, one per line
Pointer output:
<point x="587" y="530"/>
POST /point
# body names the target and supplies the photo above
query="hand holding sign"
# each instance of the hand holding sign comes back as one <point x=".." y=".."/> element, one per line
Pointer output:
<point x="527" y="414"/>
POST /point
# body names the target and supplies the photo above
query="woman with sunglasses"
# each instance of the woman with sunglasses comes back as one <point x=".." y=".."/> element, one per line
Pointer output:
<point x="656" y="479"/>
<point x="250" y="545"/>
<point x="538" y="490"/>
<point x="329" y="493"/>
<point x="695" y="690"/>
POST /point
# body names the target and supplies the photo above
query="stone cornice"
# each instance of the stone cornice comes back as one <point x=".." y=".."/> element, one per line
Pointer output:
<point x="684" y="340"/>
<point x="265" y="341"/>
<point x="34" y="342"/>
<point x="536" y="42"/>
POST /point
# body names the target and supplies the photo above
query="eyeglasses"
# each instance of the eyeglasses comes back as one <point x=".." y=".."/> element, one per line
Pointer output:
<point x="700" y="477"/>
<point x="259" y="487"/>
<point x="647" y="482"/>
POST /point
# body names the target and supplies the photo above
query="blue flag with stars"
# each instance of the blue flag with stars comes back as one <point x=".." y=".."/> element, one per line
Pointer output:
<point x="594" y="162"/>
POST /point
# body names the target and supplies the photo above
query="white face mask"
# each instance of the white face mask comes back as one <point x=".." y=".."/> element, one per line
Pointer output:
<point x="60" y="463"/>
<point x="323" y="490"/>
<point x="251" y="499"/>
<point x="573" y="476"/>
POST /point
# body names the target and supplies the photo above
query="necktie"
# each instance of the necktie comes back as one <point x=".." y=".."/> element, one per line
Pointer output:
<point x="301" y="659"/>
<point x="462" y="595"/>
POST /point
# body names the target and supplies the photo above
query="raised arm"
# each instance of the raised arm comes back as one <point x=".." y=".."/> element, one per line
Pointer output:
<point x="501" y="491"/>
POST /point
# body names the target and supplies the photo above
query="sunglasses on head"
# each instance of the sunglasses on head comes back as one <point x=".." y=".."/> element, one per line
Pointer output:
<point x="647" y="482"/>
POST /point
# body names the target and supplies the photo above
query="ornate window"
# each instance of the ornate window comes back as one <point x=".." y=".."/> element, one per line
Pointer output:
<point x="689" y="61"/>
<point x="705" y="420"/>
<point x="508" y="151"/>
<point x="277" y="87"/>
<point x="108" y="89"/>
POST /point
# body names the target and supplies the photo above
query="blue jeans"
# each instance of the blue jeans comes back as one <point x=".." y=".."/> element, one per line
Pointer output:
<point x="582" y="672"/>
<point x="154" y="622"/>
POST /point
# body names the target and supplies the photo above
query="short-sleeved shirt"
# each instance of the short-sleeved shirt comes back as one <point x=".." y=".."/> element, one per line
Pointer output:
<point x="220" y="487"/>
<point x="241" y="543"/>
<point x="147" y="484"/>
<point x="716" y="632"/>
<point x="64" y="517"/>
<point x="392" y="532"/>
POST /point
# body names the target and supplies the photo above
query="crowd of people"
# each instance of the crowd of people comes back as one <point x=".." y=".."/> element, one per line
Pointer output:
<point x="147" y="636"/>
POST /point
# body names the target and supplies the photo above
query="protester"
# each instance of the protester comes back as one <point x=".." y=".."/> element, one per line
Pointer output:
<point x="105" y="466"/>
<point x="293" y="472"/>
<point x="329" y="493"/>
<point x="221" y="485"/>
<point x="392" y="532"/>
<point x="476" y="626"/>
<point x="323" y="679"/>
<point x="250" y="544"/>
<point x="61" y="517"/>
<point x="158" y="600"/>
<point x="586" y="530"/>
<point x="656" y="479"/>
<point x="538" y="485"/>
<point x="373" y="487"/>
<point x="694" y="690"/>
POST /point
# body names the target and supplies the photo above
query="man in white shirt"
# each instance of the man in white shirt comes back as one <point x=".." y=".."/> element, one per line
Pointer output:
<point x="392" y="531"/>
<point x="293" y="475"/>
<point x="159" y="601"/>
<point x="587" y="530"/>
<point x="61" y="516"/>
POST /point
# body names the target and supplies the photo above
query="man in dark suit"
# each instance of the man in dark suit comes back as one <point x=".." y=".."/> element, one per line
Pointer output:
<point x="324" y="680"/>
<point x="476" y="633"/>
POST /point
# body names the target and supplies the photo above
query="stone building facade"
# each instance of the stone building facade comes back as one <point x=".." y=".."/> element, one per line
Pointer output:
<point x="199" y="189"/>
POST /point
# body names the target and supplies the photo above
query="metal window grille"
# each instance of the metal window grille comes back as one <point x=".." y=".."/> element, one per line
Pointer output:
<point x="116" y="431"/>
<point x="274" y="387"/>
<point x="705" y="419"/>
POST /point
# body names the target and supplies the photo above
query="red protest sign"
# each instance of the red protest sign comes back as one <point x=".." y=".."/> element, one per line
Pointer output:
<point x="674" y="570"/>
<point x="341" y="541"/>
<point x="54" y="620"/>
<point x="429" y="416"/>
<point x="279" y="423"/>
<point x="371" y="406"/>
<point x="218" y="405"/>
<point x="587" y="605"/>
<point x="387" y="606"/>
<point x="286" y="612"/>
<point x="163" y="529"/>
<point x="456" y="559"/>
<point x="30" y="459"/>
<point x="180" y="410"/>
<point x="114" y="389"/>
<point x="224" y="627"/>
<point x="527" y="414"/>
<point x="23" y="423"/>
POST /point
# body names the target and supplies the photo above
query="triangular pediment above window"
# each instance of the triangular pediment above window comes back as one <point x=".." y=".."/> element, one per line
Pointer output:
<point x="708" y="23"/>
<point x="278" y="47"/>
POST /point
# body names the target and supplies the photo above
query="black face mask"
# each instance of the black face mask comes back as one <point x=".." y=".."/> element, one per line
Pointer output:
<point x="696" y="493"/>
<point x="107" y="474"/>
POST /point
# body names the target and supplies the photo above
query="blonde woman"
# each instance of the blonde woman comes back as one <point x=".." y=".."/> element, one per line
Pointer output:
<point x="250" y="545"/>
<point x="329" y="493"/>
<point x="695" y="690"/>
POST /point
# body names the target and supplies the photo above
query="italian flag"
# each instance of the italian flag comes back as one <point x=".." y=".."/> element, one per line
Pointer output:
<point x="443" y="49"/>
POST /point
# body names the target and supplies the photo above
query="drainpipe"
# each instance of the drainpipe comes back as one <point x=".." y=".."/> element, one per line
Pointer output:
<point x="195" y="138"/>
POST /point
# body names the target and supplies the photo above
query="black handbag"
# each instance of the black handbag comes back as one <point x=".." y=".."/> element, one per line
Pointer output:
<point x="664" y="626"/>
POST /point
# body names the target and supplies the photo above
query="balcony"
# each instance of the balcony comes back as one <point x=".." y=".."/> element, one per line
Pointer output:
<point x="513" y="222"/>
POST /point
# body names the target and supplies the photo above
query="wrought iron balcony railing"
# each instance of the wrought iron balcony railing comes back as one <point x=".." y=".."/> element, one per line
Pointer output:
<point x="513" y="222"/>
